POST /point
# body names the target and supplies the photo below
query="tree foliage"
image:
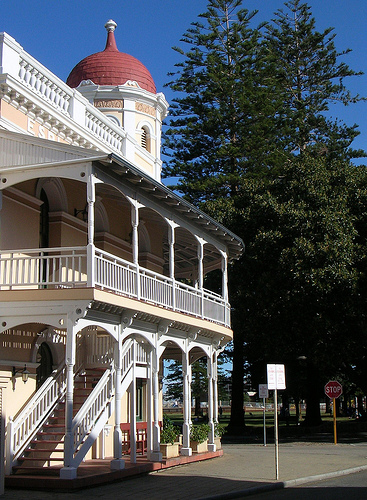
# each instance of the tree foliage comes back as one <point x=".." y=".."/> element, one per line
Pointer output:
<point x="251" y="141"/>
<point x="310" y="75"/>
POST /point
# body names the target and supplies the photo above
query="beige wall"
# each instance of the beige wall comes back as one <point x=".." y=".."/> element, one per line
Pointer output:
<point x="19" y="222"/>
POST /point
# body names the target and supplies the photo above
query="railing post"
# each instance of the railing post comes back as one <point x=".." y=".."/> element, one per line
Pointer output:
<point x="9" y="446"/>
<point x="9" y="55"/>
<point x="77" y="108"/>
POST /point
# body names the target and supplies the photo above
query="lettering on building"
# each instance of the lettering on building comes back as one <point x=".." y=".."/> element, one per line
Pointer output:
<point x="145" y="108"/>
<point x="109" y="103"/>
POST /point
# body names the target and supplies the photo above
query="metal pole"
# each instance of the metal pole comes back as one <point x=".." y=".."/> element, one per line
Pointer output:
<point x="276" y="433"/>
<point x="264" y="400"/>
<point x="334" y="414"/>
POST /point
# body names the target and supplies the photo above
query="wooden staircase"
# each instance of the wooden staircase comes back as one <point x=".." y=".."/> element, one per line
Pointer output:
<point x="46" y="450"/>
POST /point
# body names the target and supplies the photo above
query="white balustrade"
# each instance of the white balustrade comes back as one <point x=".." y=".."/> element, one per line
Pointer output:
<point x="39" y="82"/>
<point x="94" y="412"/>
<point x="24" y="427"/>
<point x="67" y="268"/>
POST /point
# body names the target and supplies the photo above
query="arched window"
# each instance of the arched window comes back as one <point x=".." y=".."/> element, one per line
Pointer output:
<point x="145" y="138"/>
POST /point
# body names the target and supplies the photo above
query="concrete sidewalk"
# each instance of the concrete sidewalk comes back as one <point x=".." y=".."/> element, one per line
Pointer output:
<point x="244" y="469"/>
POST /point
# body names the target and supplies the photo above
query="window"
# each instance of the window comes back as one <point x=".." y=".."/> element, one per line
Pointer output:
<point x="145" y="139"/>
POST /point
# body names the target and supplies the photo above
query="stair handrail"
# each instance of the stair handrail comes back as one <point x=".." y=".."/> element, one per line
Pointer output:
<point x="26" y="424"/>
<point x="96" y="404"/>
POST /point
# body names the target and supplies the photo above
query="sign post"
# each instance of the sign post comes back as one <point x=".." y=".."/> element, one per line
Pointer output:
<point x="333" y="389"/>
<point x="264" y="393"/>
<point x="276" y="380"/>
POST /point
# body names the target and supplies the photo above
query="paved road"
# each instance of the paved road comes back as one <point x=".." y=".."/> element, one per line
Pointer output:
<point x="348" y="487"/>
<point x="243" y="467"/>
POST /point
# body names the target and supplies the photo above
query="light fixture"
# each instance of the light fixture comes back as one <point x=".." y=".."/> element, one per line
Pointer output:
<point x="24" y="372"/>
<point x="84" y="213"/>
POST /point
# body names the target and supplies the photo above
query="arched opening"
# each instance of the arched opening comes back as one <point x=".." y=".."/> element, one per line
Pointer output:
<point x="44" y="369"/>
<point x="145" y="138"/>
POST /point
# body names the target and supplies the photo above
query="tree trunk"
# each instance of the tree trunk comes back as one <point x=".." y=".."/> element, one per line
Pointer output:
<point x="313" y="391"/>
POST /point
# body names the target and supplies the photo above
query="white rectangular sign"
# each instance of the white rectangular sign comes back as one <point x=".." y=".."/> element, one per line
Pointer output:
<point x="263" y="391"/>
<point x="276" y="376"/>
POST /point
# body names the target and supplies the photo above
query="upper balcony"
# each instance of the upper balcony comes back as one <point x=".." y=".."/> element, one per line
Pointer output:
<point x="76" y="267"/>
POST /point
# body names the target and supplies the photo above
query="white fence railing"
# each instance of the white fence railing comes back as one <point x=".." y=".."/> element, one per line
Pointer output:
<point x="24" y="427"/>
<point x="67" y="268"/>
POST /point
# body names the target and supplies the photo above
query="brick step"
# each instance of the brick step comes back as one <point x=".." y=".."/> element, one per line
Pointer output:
<point x="31" y="470"/>
<point x="43" y="450"/>
<point x="46" y="441"/>
<point x="40" y="459"/>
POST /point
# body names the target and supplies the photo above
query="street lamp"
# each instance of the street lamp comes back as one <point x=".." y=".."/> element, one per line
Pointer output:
<point x="24" y="372"/>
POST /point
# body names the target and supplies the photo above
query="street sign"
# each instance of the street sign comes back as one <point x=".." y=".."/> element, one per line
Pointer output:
<point x="333" y="389"/>
<point x="276" y="376"/>
<point x="263" y="391"/>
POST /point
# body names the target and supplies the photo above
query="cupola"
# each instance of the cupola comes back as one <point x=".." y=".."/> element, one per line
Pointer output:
<point x="111" y="67"/>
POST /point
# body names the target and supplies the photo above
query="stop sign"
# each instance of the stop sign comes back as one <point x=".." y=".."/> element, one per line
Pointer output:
<point x="333" y="389"/>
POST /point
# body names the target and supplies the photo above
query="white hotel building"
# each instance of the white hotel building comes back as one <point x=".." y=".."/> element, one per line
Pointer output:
<point x="101" y="266"/>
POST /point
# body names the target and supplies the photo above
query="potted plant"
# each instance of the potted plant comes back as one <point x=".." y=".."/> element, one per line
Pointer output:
<point x="168" y="440"/>
<point x="219" y="430"/>
<point x="199" y="438"/>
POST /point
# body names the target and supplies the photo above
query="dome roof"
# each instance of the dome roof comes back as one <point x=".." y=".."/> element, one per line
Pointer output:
<point x="111" y="67"/>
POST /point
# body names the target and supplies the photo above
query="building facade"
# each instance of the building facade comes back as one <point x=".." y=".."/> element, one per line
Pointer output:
<point x="101" y="266"/>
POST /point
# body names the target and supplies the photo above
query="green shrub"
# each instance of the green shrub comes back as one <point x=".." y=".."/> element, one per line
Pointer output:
<point x="169" y="434"/>
<point x="219" y="429"/>
<point x="199" y="433"/>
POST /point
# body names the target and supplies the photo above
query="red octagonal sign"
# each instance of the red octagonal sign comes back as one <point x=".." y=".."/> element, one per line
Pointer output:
<point x="333" y="389"/>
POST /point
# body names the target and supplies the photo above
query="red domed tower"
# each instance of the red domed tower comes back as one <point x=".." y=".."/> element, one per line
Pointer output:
<point x="111" y="67"/>
<point x="122" y="88"/>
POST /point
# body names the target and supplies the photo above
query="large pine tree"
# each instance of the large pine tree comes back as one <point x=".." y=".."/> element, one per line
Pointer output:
<point x="310" y="74"/>
<point x="250" y="102"/>
<point x="220" y="127"/>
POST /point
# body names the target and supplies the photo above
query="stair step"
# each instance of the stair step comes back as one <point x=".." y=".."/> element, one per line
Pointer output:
<point x="46" y="441"/>
<point x="43" y="450"/>
<point x="40" y="459"/>
<point x="27" y="469"/>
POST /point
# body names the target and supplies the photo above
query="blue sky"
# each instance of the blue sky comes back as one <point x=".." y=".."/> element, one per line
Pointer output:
<point x="59" y="33"/>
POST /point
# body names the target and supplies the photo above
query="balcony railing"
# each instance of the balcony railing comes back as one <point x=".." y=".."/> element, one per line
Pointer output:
<point x="77" y="267"/>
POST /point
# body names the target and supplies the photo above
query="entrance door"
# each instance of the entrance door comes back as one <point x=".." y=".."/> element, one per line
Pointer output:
<point x="44" y="369"/>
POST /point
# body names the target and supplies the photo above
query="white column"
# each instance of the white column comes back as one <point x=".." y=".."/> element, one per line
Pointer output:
<point x="224" y="276"/>
<point x="171" y="242"/>
<point x="156" y="455"/>
<point x="211" y="445"/>
<point x="135" y="244"/>
<point x="149" y="402"/>
<point x="133" y="410"/>
<point x="215" y="385"/>
<point x="201" y="273"/>
<point x="69" y="472"/>
<point x="225" y="287"/>
<point x="118" y="463"/>
<point x="186" y="449"/>
<point x="91" y="198"/>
